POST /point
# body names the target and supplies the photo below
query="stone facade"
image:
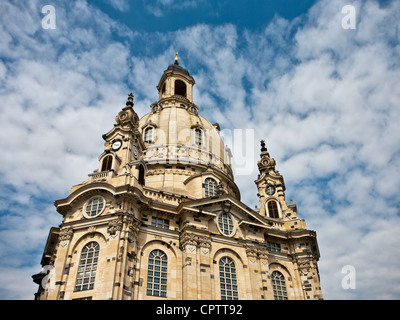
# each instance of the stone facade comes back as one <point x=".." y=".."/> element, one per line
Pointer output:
<point x="161" y="218"/>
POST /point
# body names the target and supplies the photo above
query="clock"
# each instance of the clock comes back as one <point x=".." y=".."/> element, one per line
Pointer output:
<point x="270" y="190"/>
<point x="265" y="162"/>
<point x="135" y="150"/>
<point x="116" y="145"/>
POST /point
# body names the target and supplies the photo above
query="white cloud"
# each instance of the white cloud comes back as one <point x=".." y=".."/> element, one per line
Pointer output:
<point x="158" y="8"/>
<point x="329" y="112"/>
<point x="60" y="91"/>
<point x="121" y="5"/>
<point x="355" y="115"/>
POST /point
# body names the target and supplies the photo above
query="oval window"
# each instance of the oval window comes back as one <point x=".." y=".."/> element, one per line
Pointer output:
<point x="225" y="224"/>
<point x="94" y="207"/>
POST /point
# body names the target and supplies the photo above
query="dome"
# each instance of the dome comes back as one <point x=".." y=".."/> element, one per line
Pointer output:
<point x="177" y="134"/>
<point x="182" y="147"/>
<point x="177" y="67"/>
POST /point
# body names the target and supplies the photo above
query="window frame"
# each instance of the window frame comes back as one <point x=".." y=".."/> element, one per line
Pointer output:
<point x="160" y="222"/>
<point x="273" y="246"/>
<point x="198" y="137"/>
<point x="89" y="203"/>
<point x="279" y="288"/>
<point x="107" y="166"/>
<point x="157" y="274"/>
<point x="228" y="280"/>
<point x="148" y="135"/>
<point x="225" y="219"/>
<point x="271" y="211"/>
<point x="141" y="175"/>
<point x="207" y="191"/>
<point x="87" y="268"/>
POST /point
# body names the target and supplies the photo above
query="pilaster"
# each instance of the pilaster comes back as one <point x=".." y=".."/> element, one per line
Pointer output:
<point x="57" y="282"/>
<point x="264" y="271"/>
<point x="309" y="278"/>
<point x="124" y="229"/>
<point x="204" y="245"/>
<point x="189" y="266"/>
<point x="254" y="272"/>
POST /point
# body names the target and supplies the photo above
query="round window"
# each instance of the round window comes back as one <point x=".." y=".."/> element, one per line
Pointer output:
<point x="94" y="207"/>
<point x="225" y="224"/>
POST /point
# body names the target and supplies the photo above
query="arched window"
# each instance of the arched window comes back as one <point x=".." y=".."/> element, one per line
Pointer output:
<point x="87" y="267"/>
<point x="227" y="279"/>
<point x="180" y="88"/>
<point x="279" y="286"/>
<point x="273" y="211"/>
<point x="141" y="175"/>
<point x="157" y="274"/>
<point x="107" y="163"/>
<point x="210" y="187"/>
<point x="198" y="137"/>
<point x="148" y="135"/>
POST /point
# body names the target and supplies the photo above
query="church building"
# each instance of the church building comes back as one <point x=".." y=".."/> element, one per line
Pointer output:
<point x="161" y="217"/>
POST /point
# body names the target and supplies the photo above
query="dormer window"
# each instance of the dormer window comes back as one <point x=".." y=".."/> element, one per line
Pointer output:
<point x="198" y="137"/>
<point x="210" y="187"/>
<point x="148" y="135"/>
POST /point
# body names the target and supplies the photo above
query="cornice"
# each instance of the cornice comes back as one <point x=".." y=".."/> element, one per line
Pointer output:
<point x="63" y="205"/>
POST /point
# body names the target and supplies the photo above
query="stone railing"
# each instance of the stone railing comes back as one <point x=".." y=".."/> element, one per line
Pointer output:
<point x="101" y="175"/>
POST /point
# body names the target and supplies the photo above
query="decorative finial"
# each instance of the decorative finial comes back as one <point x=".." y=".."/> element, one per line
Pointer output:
<point x="176" y="59"/>
<point x="130" y="99"/>
<point x="263" y="148"/>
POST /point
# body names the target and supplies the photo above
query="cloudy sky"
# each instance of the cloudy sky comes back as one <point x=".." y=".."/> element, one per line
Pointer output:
<point x="324" y="97"/>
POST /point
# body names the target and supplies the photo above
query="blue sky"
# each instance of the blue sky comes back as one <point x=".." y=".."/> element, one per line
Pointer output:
<point x="325" y="99"/>
<point x="161" y="16"/>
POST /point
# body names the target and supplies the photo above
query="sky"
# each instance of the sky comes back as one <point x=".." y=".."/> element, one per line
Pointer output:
<point x="324" y="97"/>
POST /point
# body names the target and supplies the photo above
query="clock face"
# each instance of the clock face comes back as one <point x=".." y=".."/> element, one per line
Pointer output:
<point x="116" y="145"/>
<point x="265" y="162"/>
<point x="270" y="190"/>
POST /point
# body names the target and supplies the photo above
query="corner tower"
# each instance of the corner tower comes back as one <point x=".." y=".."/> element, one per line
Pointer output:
<point x="271" y="192"/>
